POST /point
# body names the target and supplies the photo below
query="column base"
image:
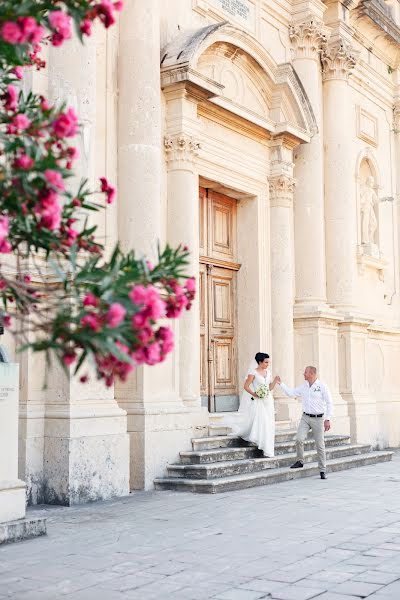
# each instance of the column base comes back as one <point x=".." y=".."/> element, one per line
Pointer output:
<point x="157" y="434"/>
<point x="12" y="500"/>
<point x="86" y="456"/>
<point x="22" y="529"/>
<point x="316" y="344"/>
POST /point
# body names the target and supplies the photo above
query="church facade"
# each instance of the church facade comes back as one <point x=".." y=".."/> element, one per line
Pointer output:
<point x="265" y="136"/>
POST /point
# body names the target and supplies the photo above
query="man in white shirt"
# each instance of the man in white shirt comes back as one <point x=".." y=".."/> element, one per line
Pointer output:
<point x="317" y="411"/>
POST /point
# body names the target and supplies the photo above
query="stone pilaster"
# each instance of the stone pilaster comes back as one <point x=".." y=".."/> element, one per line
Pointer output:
<point x="183" y="228"/>
<point x="309" y="37"/>
<point x="281" y="190"/>
<point x="340" y="184"/>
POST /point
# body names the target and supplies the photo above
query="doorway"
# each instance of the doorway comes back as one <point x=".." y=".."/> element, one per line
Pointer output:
<point x="218" y="301"/>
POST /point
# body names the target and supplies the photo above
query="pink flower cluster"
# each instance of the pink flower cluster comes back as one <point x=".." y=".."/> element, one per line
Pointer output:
<point x="108" y="189"/>
<point x="61" y="24"/>
<point x="181" y="297"/>
<point x="66" y="124"/>
<point x="25" y="30"/>
<point x="5" y="246"/>
<point x="104" y="11"/>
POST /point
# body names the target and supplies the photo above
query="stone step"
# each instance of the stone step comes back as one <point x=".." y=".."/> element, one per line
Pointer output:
<point x="217" y="418"/>
<point x="226" y="441"/>
<point x="270" y="476"/>
<point x="252" y="465"/>
<point x="218" y="430"/>
<point x="240" y="452"/>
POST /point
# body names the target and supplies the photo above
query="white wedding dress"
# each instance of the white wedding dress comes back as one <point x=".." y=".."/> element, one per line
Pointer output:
<point x="255" y="420"/>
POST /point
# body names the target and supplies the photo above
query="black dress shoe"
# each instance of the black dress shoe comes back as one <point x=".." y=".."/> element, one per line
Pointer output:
<point x="323" y="476"/>
<point x="297" y="465"/>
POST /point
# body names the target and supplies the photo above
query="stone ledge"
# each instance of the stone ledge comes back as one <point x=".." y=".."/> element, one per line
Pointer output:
<point x="23" y="529"/>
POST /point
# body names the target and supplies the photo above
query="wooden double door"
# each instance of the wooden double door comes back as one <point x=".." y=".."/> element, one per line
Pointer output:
<point x="218" y="305"/>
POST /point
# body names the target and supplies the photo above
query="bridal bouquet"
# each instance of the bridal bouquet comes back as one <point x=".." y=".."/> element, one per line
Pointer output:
<point x="262" y="391"/>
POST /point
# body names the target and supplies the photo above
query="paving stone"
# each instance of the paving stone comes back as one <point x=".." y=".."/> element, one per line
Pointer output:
<point x="262" y="585"/>
<point x="376" y="577"/>
<point x="332" y="596"/>
<point x="357" y="588"/>
<point x="293" y="592"/>
<point x="331" y="576"/>
<point x="238" y="594"/>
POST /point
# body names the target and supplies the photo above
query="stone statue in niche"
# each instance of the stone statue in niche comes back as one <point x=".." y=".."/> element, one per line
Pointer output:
<point x="369" y="222"/>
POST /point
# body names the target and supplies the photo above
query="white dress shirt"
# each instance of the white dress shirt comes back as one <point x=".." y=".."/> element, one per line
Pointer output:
<point x="316" y="398"/>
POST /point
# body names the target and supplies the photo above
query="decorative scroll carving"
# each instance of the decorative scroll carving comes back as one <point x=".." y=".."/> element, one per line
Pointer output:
<point x="181" y="148"/>
<point x="308" y="38"/>
<point x="338" y="60"/>
<point x="281" y="190"/>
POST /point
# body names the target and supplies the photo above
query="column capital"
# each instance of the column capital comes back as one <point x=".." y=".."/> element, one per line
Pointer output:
<point x="308" y="37"/>
<point x="281" y="190"/>
<point x="181" y="149"/>
<point x="338" y="60"/>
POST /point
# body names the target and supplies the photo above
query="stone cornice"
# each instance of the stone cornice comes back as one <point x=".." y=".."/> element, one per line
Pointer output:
<point x="281" y="190"/>
<point x="338" y="60"/>
<point x="181" y="149"/>
<point x="308" y="37"/>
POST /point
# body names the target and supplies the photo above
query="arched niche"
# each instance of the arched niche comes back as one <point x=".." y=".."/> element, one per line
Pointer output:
<point x="368" y="203"/>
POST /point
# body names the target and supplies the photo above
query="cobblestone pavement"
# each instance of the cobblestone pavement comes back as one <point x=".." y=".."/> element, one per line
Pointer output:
<point x="337" y="539"/>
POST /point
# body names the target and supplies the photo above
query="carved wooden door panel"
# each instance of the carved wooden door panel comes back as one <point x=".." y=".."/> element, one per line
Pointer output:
<point x="217" y="290"/>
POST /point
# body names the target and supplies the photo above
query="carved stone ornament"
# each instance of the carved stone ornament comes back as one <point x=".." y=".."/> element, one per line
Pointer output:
<point x="281" y="190"/>
<point x="338" y="60"/>
<point x="308" y="37"/>
<point x="181" y="148"/>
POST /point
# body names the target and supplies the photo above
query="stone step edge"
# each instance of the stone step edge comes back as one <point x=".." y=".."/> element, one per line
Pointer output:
<point x="214" y="438"/>
<point x="364" y="449"/>
<point x="225" y="438"/>
<point x="329" y="440"/>
<point x="270" y="476"/>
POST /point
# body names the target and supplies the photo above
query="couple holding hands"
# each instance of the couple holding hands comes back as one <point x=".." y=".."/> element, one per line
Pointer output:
<point x="256" y="421"/>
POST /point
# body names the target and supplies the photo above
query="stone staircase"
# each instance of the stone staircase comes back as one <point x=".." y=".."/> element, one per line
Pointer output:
<point x="222" y="462"/>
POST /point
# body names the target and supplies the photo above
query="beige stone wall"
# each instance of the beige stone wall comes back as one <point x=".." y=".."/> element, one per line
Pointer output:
<point x="248" y="109"/>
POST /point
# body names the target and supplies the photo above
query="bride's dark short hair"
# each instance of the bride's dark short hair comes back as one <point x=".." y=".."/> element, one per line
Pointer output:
<point x="260" y="357"/>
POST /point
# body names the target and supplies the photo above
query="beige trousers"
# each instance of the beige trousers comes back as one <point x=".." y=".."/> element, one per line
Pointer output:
<point x="316" y="424"/>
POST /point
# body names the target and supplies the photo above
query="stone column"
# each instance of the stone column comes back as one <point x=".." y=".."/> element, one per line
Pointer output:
<point x="159" y="423"/>
<point x="281" y="190"/>
<point x="86" y="446"/>
<point x="183" y="228"/>
<point x="307" y="37"/>
<point x="139" y="132"/>
<point x="338" y="60"/>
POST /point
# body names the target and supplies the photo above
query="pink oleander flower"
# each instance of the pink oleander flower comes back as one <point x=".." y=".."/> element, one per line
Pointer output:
<point x="72" y="235"/>
<point x="190" y="285"/>
<point x="66" y="124"/>
<point x="108" y="189"/>
<point x="175" y="305"/>
<point x="21" y="122"/>
<point x="60" y="22"/>
<point x="11" y="98"/>
<point x="3" y="284"/>
<point x="44" y="105"/>
<point x="31" y="31"/>
<point x="91" y="300"/>
<point x="86" y="27"/>
<point x="148" y="298"/>
<point x="92" y="321"/>
<point x="119" y="5"/>
<point x="24" y="162"/>
<point x="140" y="320"/>
<point x="165" y="337"/>
<point x="105" y="12"/>
<point x="18" y="72"/>
<point x="5" y="246"/>
<point x="55" y="179"/>
<point x="115" y="314"/>
<point x="69" y="358"/>
<point x="5" y="320"/>
<point x="49" y="210"/>
<point x="11" y="32"/>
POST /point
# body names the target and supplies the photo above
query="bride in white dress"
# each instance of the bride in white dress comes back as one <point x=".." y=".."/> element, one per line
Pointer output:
<point x="256" y="416"/>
